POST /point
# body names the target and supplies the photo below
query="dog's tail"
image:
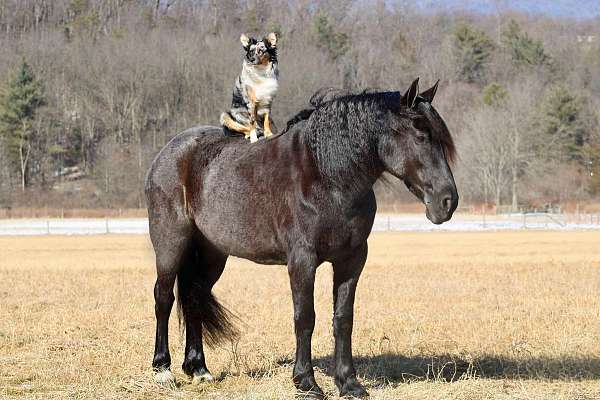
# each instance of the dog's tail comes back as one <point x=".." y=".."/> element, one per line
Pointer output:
<point x="231" y="124"/>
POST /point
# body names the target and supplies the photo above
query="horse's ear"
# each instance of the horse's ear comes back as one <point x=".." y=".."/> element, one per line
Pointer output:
<point x="408" y="100"/>
<point x="245" y="40"/>
<point x="429" y="94"/>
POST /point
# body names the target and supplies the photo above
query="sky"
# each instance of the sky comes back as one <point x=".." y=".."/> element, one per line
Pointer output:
<point x="580" y="9"/>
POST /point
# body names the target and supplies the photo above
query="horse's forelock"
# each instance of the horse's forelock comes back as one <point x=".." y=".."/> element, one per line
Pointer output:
<point x="440" y="130"/>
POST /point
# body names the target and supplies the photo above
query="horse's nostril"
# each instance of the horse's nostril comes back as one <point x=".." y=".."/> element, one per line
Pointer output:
<point x="447" y="202"/>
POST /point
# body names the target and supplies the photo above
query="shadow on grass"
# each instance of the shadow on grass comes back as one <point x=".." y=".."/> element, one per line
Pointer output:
<point x="397" y="368"/>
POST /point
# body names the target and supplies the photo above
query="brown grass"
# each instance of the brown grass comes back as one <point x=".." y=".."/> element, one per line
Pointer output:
<point x="438" y="316"/>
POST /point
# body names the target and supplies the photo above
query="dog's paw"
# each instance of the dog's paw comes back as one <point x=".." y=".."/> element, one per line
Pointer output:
<point x="253" y="136"/>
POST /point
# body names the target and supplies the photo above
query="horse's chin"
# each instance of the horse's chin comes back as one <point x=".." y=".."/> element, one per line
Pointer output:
<point x="437" y="218"/>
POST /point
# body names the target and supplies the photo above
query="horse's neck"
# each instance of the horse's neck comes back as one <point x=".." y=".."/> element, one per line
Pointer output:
<point x="349" y="168"/>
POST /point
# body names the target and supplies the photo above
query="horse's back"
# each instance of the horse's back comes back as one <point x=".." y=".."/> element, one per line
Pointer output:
<point x="174" y="160"/>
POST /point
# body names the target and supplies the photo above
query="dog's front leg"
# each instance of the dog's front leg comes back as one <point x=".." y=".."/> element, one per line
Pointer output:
<point x="267" y="123"/>
<point x="252" y="110"/>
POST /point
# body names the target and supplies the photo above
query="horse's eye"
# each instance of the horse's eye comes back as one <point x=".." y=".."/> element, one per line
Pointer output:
<point x="420" y="138"/>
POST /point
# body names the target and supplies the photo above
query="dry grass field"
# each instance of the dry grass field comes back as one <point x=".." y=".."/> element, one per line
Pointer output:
<point x="511" y="315"/>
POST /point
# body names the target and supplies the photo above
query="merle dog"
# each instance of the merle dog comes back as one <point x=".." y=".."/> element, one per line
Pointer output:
<point x="254" y="88"/>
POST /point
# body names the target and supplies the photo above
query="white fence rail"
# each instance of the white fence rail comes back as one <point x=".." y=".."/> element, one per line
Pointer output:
<point x="83" y="226"/>
<point x="383" y="222"/>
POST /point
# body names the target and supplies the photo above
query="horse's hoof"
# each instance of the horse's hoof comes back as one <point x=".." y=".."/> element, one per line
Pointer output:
<point x="356" y="392"/>
<point x="200" y="377"/>
<point x="307" y="388"/>
<point x="164" y="377"/>
<point x="353" y="389"/>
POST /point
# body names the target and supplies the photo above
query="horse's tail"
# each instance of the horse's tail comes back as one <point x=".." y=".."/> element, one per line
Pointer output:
<point x="196" y="304"/>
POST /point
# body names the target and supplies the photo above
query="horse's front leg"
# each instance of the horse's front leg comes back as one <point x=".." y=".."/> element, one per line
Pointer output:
<point x="302" y="267"/>
<point x="346" y="272"/>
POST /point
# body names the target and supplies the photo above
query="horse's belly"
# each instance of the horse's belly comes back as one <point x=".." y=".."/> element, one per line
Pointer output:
<point x="259" y="250"/>
<point x="238" y="209"/>
<point x="246" y="234"/>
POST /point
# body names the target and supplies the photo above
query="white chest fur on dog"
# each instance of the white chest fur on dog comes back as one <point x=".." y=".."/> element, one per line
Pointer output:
<point x="262" y="79"/>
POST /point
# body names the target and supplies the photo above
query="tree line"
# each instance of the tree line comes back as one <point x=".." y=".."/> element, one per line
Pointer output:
<point x="90" y="90"/>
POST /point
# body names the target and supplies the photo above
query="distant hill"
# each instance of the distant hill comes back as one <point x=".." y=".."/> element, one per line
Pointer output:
<point x="581" y="9"/>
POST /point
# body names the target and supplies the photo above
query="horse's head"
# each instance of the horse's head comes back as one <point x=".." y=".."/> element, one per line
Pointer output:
<point x="417" y="147"/>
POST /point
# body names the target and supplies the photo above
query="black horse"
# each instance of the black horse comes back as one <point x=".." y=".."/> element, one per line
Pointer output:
<point x="301" y="198"/>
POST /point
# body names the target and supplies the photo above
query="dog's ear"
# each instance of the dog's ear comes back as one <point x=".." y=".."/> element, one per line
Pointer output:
<point x="272" y="39"/>
<point x="245" y="40"/>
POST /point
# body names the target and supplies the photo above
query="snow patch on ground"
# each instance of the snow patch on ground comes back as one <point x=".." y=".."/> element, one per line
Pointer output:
<point x="406" y="223"/>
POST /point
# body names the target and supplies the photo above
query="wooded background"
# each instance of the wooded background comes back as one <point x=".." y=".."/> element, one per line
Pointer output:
<point x="92" y="89"/>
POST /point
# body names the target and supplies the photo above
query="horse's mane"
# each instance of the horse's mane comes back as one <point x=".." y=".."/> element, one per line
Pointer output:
<point x="320" y="96"/>
<point x="327" y="96"/>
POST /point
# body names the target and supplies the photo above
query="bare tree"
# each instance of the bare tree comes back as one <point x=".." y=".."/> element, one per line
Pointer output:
<point x="123" y="76"/>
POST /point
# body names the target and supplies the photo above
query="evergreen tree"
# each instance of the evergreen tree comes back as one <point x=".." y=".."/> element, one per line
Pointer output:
<point x="335" y="43"/>
<point x="565" y="125"/>
<point x="472" y="50"/>
<point x="494" y="95"/>
<point x="524" y="50"/>
<point x="19" y="103"/>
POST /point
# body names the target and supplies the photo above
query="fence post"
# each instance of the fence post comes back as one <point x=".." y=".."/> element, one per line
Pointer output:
<point x="484" y="214"/>
<point x="106" y="222"/>
<point x="47" y="226"/>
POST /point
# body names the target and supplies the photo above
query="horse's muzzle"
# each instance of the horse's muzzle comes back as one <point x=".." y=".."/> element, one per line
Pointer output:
<point x="441" y="206"/>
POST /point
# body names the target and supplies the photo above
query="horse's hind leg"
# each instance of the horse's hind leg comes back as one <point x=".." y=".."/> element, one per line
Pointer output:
<point x="200" y="310"/>
<point x="170" y="246"/>
<point x="163" y="297"/>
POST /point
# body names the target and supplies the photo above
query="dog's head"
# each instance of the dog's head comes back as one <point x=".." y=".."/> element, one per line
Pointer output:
<point x="260" y="52"/>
